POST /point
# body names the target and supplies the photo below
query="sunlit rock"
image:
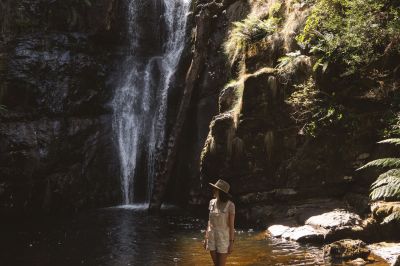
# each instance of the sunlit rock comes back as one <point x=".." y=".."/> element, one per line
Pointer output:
<point x="346" y="249"/>
<point x="388" y="251"/>
<point x="277" y="230"/>
<point x="305" y="234"/>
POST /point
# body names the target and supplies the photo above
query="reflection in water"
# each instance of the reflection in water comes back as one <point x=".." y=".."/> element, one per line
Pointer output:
<point x="128" y="236"/>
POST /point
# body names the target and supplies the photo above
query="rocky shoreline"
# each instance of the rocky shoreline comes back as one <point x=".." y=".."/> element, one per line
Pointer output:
<point x="348" y="236"/>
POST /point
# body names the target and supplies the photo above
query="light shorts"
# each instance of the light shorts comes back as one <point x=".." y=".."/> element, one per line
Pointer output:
<point x="218" y="240"/>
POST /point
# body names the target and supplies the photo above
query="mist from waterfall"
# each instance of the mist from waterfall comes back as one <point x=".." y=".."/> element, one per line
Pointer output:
<point x="140" y="102"/>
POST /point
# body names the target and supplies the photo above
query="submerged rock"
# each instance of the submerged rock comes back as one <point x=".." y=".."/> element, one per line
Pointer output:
<point x="346" y="249"/>
<point x="358" y="262"/>
<point x="388" y="251"/>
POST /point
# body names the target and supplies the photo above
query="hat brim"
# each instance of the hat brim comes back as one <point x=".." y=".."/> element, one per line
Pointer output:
<point x="211" y="184"/>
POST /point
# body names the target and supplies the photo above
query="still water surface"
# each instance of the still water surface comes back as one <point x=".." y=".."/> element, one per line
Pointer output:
<point x="128" y="236"/>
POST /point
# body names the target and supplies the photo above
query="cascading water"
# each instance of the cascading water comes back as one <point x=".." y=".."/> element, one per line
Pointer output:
<point x="140" y="102"/>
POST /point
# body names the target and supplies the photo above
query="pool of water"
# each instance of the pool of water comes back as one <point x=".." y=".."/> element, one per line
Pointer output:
<point x="128" y="236"/>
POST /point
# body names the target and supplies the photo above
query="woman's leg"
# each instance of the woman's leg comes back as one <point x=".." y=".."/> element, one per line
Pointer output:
<point x="213" y="254"/>
<point x="222" y="258"/>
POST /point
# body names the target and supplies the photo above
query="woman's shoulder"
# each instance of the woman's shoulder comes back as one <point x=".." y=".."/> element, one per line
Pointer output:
<point x="213" y="201"/>
<point x="231" y="206"/>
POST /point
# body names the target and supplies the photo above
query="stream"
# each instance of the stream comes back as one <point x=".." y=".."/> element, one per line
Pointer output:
<point x="127" y="235"/>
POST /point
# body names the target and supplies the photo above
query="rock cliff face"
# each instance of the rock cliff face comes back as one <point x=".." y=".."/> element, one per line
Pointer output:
<point x="254" y="140"/>
<point x="211" y="23"/>
<point x="56" y="145"/>
<point x="59" y="62"/>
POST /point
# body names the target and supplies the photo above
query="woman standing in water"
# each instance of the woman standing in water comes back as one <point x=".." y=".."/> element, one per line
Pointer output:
<point x="220" y="233"/>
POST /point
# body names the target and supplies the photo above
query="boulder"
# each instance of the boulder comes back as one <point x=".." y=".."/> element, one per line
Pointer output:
<point x="338" y="223"/>
<point x="277" y="230"/>
<point x="312" y="207"/>
<point x="305" y="234"/>
<point x="346" y="249"/>
<point x="335" y="220"/>
<point x="390" y="252"/>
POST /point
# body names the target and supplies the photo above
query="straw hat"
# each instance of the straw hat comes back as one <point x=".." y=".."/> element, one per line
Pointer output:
<point x="221" y="185"/>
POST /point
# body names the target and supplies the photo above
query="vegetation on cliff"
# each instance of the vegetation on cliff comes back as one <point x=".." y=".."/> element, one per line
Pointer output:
<point x="252" y="29"/>
<point x="352" y="33"/>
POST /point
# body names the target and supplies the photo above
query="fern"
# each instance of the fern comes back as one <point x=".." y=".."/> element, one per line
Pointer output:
<point x="250" y="30"/>
<point x="387" y="185"/>
<point x="395" y="141"/>
<point x="394" y="217"/>
<point x="385" y="162"/>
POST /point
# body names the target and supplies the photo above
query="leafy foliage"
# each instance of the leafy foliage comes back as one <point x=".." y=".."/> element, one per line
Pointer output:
<point x="250" y="30"/>
<point x="387" y="185"/>
<point x="393" y="129"/>
<point x="353" y="33"/>
<point x="314" y="109"/>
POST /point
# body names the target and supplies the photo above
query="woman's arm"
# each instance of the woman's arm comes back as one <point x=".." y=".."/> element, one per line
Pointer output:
<point x="231" y="231"/>
<point x="206" y="235"/>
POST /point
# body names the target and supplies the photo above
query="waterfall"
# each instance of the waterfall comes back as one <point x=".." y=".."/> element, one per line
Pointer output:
<point x="140" y="101"/>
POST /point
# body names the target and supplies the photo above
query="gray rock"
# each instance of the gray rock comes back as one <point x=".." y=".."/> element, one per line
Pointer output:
<point x="338" y="223"/>
<point x="305" y="234"/>
<point x="312" y="207"/>
<point x="335" y="220"/>
<point x="277" y="230"/>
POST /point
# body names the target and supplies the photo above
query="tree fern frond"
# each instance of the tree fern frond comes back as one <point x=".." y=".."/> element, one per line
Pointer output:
<point x="385" y="162"/>
<point x="395" y="216"/>
<point x="386" y="188"/>
<point x="391" y="172"/>
<point x="395" y="141"/>
<point x="391" y="180"/>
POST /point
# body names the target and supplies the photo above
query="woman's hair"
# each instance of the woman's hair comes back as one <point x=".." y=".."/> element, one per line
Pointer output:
<point x="224" y="197"/>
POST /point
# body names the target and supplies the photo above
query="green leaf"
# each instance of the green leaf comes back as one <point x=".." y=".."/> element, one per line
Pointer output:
<point x="324" y="67"/>
<point x="387" y="186"/>
<point x="385" y="162"/>
<point x="393" y="217"/>
<point x="395" y="141"/>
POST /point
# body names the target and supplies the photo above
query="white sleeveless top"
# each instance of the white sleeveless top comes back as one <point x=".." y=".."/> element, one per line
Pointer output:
<point x="219" y="217"/>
